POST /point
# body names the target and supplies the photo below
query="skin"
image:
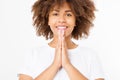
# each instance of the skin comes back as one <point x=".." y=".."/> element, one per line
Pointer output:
<point x="62" y="16"/>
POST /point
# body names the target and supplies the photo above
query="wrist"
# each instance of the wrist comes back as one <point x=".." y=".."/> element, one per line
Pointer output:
<point x="56" y="65"/>
<point x="66" y="66"/>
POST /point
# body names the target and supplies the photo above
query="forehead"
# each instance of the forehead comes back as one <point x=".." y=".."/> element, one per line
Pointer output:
<point x="65" y="6"/>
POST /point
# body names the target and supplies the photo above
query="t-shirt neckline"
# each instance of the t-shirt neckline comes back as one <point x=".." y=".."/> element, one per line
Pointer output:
<point x="68" y="49"/>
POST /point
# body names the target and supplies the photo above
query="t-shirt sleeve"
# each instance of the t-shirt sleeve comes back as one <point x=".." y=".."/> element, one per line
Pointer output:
<point x="96" y="68"/>
<point x="27" y="64"/>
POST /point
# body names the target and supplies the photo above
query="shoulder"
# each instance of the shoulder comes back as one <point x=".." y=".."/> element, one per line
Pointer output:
<point x="87" y="51"/>
<point x="36" y="50"/>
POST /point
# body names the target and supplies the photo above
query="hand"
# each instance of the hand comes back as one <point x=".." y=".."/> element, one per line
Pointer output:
<point x="58" y="51"/>
<point x="61" y="56"/>
<point x="65" y="58"/>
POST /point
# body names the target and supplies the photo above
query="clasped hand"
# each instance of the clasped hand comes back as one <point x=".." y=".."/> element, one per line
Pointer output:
<point x="61" y="56"/>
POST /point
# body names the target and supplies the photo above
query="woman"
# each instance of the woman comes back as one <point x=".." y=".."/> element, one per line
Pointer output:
<point x="62" y="59"/>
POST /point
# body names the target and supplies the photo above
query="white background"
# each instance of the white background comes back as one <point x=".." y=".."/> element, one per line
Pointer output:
<point x="17" y="34"/>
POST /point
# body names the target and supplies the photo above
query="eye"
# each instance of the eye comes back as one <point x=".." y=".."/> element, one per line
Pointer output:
<point x="68" y="14"/>
<point x="55" y="14"/>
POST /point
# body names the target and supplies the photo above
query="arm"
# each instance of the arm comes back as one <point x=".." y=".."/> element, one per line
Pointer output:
<point x="48" y="74"/>
<point x="51" y="71"/>
<point x="25" y="77"/>
<point x="73" y="73"/>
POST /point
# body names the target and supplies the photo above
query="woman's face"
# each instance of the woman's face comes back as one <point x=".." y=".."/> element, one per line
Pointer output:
<point x="61" y="18"/>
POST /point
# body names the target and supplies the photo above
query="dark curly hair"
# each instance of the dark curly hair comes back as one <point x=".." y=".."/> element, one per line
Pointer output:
<point x="82" y="9"/>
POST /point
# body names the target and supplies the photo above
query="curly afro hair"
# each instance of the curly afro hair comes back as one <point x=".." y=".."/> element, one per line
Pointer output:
<point x="82" y="9"/>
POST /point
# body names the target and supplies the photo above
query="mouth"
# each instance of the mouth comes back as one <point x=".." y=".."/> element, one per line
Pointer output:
<point x="61" y="27"/>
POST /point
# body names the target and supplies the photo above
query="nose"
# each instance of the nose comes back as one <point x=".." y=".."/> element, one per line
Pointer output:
<point x="61" y="19"/>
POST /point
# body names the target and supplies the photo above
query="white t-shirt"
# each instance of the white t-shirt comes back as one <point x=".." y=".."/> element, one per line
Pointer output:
<point x="82" y="58"/>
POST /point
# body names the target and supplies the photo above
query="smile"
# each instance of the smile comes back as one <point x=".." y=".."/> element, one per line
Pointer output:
<point x="61" y="27"/>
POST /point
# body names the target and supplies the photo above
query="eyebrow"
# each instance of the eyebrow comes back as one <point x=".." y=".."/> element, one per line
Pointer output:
<point x="57" y="10"/>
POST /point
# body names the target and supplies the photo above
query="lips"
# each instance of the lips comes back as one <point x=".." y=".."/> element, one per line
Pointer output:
<point x="61" y="27"/>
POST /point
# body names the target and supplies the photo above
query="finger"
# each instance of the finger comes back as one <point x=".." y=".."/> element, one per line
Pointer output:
<point x="63" y="38"/>
<point x="59" y="39"/>
<point x="58" y="51"/>
<point x="64" y="47"/>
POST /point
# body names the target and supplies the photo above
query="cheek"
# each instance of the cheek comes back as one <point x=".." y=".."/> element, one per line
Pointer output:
<point x="69" y="31"/>
<point x="72" y="22"/>
<point x="51" y="21"/>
